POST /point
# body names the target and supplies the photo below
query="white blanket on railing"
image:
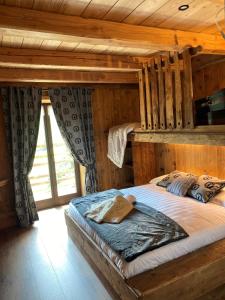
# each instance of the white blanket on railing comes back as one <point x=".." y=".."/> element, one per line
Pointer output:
<point x="117" y="142"/>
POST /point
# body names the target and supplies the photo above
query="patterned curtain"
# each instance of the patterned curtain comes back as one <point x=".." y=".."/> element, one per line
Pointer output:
<point x="72" y="108"/>
<point x="22" y="108"/>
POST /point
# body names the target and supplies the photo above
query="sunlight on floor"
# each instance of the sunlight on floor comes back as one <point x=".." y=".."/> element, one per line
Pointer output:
<point x="42" y="263"/>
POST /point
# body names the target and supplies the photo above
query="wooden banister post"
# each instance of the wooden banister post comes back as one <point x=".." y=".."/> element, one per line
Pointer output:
<point x="142" y="100"/>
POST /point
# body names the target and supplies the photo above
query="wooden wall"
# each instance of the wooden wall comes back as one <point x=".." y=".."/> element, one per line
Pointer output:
<point x="150" y="160"/>
<point x="209" y="80"/>
<point x="7" y="213"/>
<point x="158" y="159"/>
<point x="195" y="158"/>
<point x="144" y="162"/>
<point x="112" y="105"/>
<point x="190" y="158"/>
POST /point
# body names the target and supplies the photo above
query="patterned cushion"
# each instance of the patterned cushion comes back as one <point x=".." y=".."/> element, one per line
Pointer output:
<point x="205" y="188"/>
<point x="168" y="179"/>
<point x="181" y="185"/>
<point x="157" y="179"/>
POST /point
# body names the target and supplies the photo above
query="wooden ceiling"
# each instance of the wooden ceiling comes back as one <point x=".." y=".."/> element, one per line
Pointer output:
<point x="103" y="41"/>
<point x="200" y="18"/>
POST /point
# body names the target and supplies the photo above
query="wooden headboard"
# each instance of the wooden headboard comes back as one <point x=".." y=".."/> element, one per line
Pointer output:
<point x="151" y="160"/>
<point x="191" y="158"/>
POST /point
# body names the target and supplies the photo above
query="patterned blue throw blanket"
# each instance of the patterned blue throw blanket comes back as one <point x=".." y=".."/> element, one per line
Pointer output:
<point x="144" y="229"/>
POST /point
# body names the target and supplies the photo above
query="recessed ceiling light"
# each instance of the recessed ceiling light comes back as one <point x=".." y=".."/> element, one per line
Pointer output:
<point x="183" y="7"/>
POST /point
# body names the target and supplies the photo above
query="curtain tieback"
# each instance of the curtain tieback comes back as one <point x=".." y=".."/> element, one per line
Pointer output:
<point x="90" y="166"/>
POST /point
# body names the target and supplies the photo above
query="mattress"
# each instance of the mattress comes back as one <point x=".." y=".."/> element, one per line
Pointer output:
<point x="205" y="224"/>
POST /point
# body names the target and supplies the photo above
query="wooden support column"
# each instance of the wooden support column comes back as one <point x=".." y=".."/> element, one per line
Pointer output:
<point x="178" y="92"/>
<point x="161" y="85"/>
<point x="154" y="93"/>
<point x="148" y="99"/>
<point x="142" y="100"/>
<point x="188" y="91"/>
<point x="169" y="95"/>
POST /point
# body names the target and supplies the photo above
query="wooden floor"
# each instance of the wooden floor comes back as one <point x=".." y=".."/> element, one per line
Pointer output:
<point x="43" y="263"/>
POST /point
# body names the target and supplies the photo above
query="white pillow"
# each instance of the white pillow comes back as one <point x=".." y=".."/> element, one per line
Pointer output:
<point x="157" y="179"/>
<point x="219" y="199"/>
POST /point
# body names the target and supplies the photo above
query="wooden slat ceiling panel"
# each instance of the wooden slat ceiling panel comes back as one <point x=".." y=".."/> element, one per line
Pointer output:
<point x="24" y="42"/>
<point x="122" y="9"/>
<point x="12" y="41"/>
<point x="98" y="8"/>
<point x="144" y="11"/>
<point x="19" y="3"/>
<point x="200" y="17"/>
<point x="162" y="13"/>
<point x="166" y="12"/>
<point x="70" y="7"/>
<point x="31" y="43"/>
<point x="66" y="46"/>
<point x="50" y="44"/>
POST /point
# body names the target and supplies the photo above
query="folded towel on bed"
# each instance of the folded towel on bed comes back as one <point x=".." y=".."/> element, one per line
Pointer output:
<point x="112" y="210"/>
<point x="117" y="142"/>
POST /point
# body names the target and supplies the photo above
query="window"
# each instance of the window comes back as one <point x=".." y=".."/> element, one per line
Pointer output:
<point x="55" y="176"/>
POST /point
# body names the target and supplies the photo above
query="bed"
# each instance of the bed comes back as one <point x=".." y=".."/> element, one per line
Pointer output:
<point x="187" y="269"/>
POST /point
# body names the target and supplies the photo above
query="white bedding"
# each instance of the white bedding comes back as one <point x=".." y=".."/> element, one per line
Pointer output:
<point x="117" y="142"/>
<point x="205" y="224"/>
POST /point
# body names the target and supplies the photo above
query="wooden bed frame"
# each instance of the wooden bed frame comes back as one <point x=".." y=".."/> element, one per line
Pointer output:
<point x="198" y="275"/>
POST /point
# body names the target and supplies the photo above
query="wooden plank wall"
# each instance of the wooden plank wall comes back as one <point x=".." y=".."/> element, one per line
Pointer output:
<point x="7" y="213"/>
<point x="112" y="105"/>
<point x="199" y="159"/>
<point x="209" y="80"/>
<point x="166" y="158"/>
<point x="144" y="162"/>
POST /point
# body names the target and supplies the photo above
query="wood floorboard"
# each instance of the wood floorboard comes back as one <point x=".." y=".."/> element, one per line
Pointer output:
<point x="42" y="263"/>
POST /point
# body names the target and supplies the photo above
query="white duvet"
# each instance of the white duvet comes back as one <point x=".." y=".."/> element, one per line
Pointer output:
<point x="205" y="224"/>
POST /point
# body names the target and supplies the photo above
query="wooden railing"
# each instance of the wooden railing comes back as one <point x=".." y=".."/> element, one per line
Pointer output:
<point x="166" y="92"/>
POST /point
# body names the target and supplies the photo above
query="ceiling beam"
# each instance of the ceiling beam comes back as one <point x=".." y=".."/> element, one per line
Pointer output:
<point x="65" y="76"/>
<point x="45" y="25"/>
<point x="45" y="59"/>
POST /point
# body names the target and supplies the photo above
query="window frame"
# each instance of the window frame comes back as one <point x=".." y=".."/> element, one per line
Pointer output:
<point x="55" y="200"/>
